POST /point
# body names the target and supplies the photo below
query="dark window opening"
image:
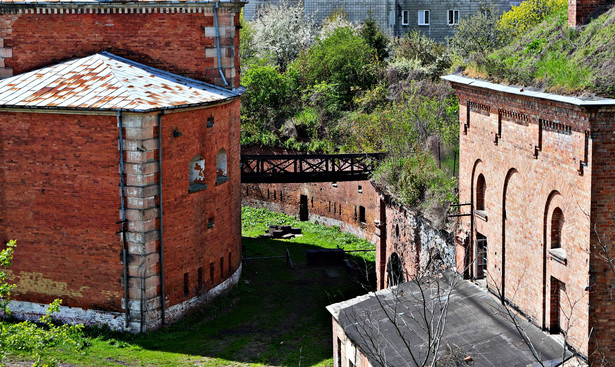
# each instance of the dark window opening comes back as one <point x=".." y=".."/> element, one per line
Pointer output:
<point x="355" y="213"/>
<point x="339" y="353"/>
<point x="397" y="230"/>
<point x="303" y="208"/>
<point x="211" y="272"/>
<point x="395" y="271"/>
<point x="221" y="267"/>
<point x="557" y="287"/>
<point x="230" y="266"/>
<point x="211" y="222"/>
<point x="360" y="189"/>
<point x="199" y="277"/>
<point x="362" y="214"/>
<point x="268" y="194"/>
<point x="275" y="195"/>
<point x="210" y="121"/>
<point x="186" y="285"/>
<point x="557" y="223"/>
<point x="481" y="186"/>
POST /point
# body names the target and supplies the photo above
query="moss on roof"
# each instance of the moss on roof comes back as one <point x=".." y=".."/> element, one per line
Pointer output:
<point x="556" y="57"/>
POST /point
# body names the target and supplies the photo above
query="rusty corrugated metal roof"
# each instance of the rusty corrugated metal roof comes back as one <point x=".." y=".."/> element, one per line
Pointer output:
<point x="106" y="82"/>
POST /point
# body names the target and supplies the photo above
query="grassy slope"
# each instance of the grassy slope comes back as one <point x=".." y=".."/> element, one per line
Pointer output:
<point x="274" y="317"/>
<point x="559" y="58"/>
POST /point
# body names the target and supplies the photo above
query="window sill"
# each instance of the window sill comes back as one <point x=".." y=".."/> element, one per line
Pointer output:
<point x="559" y="255"/>
<point x="481" y="214"/>
<point x="220" y="180"/>
<point x="195" y="187"/>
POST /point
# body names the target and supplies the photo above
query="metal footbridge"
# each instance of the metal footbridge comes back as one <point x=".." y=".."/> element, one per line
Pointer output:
<point x="308" y="167"/>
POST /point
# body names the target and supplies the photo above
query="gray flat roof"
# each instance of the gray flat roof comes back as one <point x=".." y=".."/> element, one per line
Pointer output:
<point x="525" y="91"/>
<point x="475" y="323"/>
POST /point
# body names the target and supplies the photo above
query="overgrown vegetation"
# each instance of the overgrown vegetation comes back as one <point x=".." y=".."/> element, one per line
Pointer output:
<point x="275" y="316"/>
<point x="535" y="47"/>
<point x="354" y="89"/>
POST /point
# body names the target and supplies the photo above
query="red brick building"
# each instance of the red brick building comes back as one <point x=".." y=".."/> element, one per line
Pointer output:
<point x="538" y="171"/>
<point x="119" y="161"/>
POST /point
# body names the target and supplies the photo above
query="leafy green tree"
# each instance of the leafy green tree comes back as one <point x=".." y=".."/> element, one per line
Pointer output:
<point x="478" y="35"/>
<point x="344" y="61"/>
<point x="375" y="37"/>
<point x="6" y="256"/>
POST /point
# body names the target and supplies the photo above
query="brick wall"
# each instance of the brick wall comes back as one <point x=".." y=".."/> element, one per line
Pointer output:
<point x="580" y="10"/>
<point x="59" y="198"/>
<point x="532" y="153"/>
<point x="174" y="38"/>
<point x="393" y="228"/>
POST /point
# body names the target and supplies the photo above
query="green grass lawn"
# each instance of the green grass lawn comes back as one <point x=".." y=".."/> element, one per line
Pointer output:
<point x="274" y="317"/>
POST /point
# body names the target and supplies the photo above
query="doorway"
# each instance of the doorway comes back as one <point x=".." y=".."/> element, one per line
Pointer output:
<point x="303" y="208"/>
<point x="481" y="256"/>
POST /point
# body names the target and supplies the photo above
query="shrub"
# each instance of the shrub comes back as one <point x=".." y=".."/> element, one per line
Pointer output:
<point x="343" y="61"/>
<point x="34" y="341"/>
<point x="520" y="19"/>
<point x="337" y="19"/>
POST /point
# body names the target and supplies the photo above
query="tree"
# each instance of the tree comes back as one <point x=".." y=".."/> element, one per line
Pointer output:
<point x="375" y="37"/>
<point x="478" y="35"/>
<point x="282" y="31"/>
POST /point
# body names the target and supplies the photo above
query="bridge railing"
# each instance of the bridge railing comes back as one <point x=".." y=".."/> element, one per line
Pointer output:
<point x="308" y="167"/>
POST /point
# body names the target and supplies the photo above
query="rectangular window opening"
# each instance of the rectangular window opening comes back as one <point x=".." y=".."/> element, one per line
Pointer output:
<point x="210" y="121"/>
<point x="423" y="17"/>
<point x="199" y="277"/>
<point x="211" y="222"/>
<point x="211" y="273"/>
<point x="221" y="267"/>
<point x="405" y="17"/>
<point x="453" y="17"/>
<point x="186" y="284"/>
<point x="361" y="214"/>
<point x="230" y="262"/>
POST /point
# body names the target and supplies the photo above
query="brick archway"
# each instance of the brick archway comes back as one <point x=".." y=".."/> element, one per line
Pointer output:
<point x="509" y="175"/>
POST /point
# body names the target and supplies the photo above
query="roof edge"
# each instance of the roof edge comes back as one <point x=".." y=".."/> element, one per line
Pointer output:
<point x="523" y="91"/>
<point x="7" y="6"/>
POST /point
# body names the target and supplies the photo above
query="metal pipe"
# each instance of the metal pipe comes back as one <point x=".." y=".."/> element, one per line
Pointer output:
<point x="123" y="219"/>
<point x="218" y="44"/>
<point x="161" y="247"/>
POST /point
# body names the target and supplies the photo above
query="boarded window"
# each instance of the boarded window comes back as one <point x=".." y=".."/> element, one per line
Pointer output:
<point x="197" y="174"/>
<point x="221" y="175"/>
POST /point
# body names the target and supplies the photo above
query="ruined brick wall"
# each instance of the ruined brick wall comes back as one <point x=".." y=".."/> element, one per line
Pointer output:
<point x="393" y="228"/>
<point x="530" y="153"/>
<point x="179" y="39"/>
<point x="59" y="198"/>
<point x="329" y="203"/>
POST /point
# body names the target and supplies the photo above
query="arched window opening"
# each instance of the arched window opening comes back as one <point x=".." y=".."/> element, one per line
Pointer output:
<point x="395" y="272"/>
<point x="221" y="175"/>
<point x="481" y="186"/>
<point x="197" y="174"/>
<point x="557" y="223"/>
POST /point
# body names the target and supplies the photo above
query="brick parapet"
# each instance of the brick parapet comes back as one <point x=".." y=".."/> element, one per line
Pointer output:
<point x="177" y="38"/>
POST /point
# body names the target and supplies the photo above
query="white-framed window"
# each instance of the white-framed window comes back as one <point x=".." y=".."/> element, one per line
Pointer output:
<point x="405" y="17"/>
<point x="423" y="17"/>
<point x="453" y="17"/>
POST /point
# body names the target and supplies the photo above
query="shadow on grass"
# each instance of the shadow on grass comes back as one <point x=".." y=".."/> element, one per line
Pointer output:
<point x="274" y="316"/>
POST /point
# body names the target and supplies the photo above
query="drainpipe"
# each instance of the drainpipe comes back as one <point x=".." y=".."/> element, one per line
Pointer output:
<point x="123" y="219"/>
<point x="161" y="247"/>
<point x="218" y="44"/>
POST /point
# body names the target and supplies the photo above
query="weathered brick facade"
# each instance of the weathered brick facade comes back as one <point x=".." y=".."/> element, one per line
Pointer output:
<point x="543" y="165"/>
<point x="60" y="187"/>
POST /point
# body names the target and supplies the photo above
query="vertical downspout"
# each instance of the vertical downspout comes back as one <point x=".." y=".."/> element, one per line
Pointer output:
<point x="161" y="247"/>
<point x="218" y="44"/>
<point x="123" y="219"/>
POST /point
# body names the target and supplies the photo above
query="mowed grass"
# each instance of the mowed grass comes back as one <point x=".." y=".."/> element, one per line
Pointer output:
<point x="274" y="317"/>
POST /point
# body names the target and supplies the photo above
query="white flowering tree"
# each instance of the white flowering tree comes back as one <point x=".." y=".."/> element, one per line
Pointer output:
<point x="281" y="31"/>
